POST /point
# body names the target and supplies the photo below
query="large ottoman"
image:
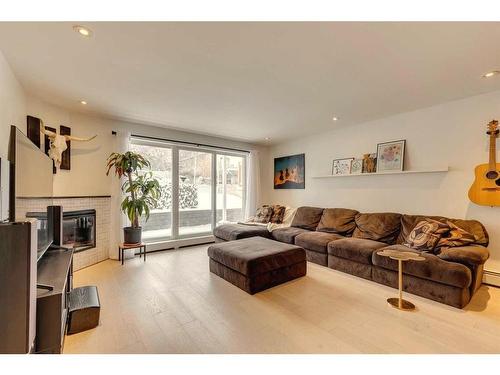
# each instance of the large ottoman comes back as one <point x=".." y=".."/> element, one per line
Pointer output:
<point x="255" y="264"/>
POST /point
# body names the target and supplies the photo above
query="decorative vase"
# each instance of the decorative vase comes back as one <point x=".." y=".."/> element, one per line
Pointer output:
<point x="132" y="235"/>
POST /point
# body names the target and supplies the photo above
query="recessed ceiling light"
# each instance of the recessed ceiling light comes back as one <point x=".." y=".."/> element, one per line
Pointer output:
<point x="83" y="31"/>
<point x="83" y="102"/>
<point x="267" y="139"/>
<point x="491" y="74"/>
<point x="335" y="118"/>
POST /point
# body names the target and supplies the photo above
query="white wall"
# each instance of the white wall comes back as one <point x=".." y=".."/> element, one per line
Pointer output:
<point x="452" y="134"/>
<point x="12" y="112"/>
<point x="449" y="134"/>
<point x="88" y="159"/>
<point x="12" y="104"/>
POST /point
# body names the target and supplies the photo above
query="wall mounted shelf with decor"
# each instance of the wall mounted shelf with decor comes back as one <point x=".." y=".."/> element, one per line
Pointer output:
<point x="442" y="170"/>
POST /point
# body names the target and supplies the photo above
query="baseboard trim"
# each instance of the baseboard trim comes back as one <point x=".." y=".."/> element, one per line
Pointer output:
<point x="491" y="278"/>
<point x="175" y="244"/>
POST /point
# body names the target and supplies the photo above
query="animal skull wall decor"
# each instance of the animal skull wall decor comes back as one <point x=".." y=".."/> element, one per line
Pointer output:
<point x="58" y="143"/>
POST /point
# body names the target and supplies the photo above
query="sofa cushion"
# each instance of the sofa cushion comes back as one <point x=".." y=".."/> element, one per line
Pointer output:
<point x="231" y="232"/>
<point x="426" y="234"/>
<point x="474" y="227"/>
<point x="315" y="257"/>
<point x="456" y="237"/>
<point x="382" y="227"/>
<point x="287" y="234"/>
<point x="316" y="241"/>
<point x="257" y="255"/>
<point x="355" y="249"/>
<point x="337" y="220"/>
<point x="432" y="268"/>
<point x="307" y="217"/>
<point x="448" y="294"/>
<point x="472" y="256"/>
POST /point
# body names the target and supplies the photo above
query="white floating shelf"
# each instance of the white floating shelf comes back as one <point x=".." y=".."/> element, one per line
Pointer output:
<point x="442" y="170"/>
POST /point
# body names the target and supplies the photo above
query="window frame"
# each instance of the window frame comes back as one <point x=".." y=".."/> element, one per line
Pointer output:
<point x="244" y="176"/>
<point x="176" y="238"/>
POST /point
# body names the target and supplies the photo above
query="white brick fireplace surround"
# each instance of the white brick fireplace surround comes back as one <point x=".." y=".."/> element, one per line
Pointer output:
<point x="102" y="206"/>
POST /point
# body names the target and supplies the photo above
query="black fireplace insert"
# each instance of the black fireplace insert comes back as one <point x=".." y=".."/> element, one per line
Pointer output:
<point x="78" y="228"/>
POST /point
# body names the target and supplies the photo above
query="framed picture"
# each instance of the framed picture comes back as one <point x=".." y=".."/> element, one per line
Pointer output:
<point x="290" y="172"/>
<point x="369" y="163"/>
<point x="342" y="166"/>
<point x="390" y="156"/>
<point x="357" y="166"/>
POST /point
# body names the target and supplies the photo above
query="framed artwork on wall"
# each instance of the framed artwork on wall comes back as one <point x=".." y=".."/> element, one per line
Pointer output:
<point x="290" y="172"/>
<point x="342" y="166"/>
<point x="390" y="156"/>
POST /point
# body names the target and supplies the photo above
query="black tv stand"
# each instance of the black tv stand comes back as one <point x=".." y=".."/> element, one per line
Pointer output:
<point x="55" y="275"/>
<point x="52" y="247"/>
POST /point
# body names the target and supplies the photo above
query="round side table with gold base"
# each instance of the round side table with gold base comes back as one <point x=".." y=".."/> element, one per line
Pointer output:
<point x="401" y="256"/>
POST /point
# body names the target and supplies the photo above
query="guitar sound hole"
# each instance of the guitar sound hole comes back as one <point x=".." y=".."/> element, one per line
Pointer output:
<point x="492" y="175"/>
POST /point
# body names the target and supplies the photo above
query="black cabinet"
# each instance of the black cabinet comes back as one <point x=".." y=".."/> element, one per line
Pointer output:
<point x="18" y="271"/>
<point x="54" y="269"/>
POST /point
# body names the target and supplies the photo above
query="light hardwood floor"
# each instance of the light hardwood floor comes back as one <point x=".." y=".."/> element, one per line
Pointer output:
<point x="173" y="304"/>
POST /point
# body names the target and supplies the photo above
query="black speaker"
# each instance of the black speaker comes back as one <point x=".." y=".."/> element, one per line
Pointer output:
<point x="18" y="275"/>
<point x="55" y="221"/>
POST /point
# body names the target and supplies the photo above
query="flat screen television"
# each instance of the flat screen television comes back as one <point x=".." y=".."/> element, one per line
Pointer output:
<point x="44" y="230"/>
<point x="30" y="177"/>
<point x="4" y="189"/>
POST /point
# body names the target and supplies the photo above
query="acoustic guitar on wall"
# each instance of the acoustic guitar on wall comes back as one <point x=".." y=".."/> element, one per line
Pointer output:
<point x="486" y="187"/>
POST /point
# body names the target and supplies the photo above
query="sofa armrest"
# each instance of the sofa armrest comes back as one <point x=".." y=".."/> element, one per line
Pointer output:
<point x="467" y="255"/>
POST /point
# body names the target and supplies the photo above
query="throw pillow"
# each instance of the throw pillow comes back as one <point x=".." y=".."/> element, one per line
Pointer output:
<point x="426" y="234"/>
<point x="262" y="215"/>
<point x="456" y="237"/>
<point x="278" y="214"/>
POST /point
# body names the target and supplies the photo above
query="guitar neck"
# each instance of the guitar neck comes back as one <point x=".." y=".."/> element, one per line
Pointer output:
<point x="493" y="152"/>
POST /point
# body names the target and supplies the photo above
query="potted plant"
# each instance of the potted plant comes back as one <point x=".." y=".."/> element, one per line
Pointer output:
<point x="142" y="191"/>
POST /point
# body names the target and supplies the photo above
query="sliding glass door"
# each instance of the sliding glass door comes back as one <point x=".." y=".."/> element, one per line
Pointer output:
<point x="201" y="188"/>
<point x="195" y="193"/>
<point x="230" y="199"/>
<point x="159" y="225"/>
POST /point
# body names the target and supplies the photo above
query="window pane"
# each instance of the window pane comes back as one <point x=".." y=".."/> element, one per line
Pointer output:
<point x="230" y="188"/>
<point x="195" y="192"/>
<point x="159" y="225"/>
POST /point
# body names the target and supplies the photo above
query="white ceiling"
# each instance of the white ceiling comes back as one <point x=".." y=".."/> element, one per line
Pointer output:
<point x="249" y="81"/>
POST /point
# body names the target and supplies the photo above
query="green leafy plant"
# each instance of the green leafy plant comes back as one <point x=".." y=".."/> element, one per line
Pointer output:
<point x="143" y="192"/>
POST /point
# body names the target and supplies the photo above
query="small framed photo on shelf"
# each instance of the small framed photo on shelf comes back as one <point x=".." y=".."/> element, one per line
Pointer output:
<point x="342" y="166"/>
<point x="369" y="163"/>
<point x="390" y="156"/>
<point x="357" y="166"/>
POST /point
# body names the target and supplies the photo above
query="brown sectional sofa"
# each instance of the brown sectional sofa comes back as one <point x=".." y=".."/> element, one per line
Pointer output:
<point x="348" y="241"/>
